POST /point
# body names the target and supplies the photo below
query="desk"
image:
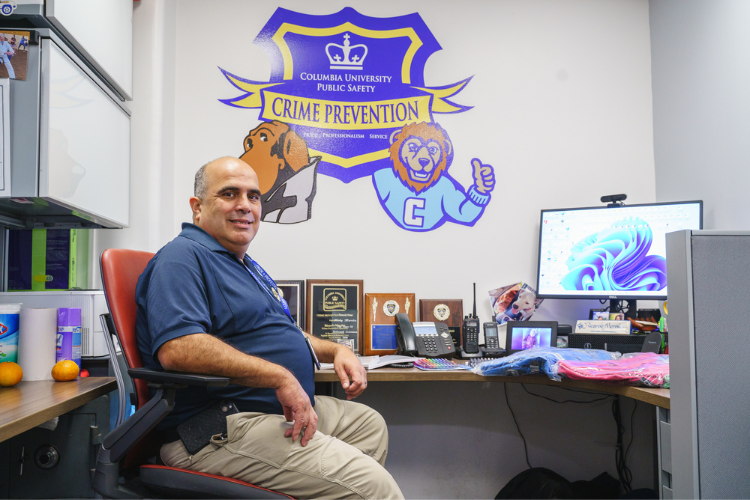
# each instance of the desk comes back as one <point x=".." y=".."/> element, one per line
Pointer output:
<point x="473" y="421"/>
<point x="29" y="404"/>
<point x="656" y="397"/>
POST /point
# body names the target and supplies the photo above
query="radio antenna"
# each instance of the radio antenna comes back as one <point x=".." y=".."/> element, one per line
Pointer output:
<point x="475" y="301"/>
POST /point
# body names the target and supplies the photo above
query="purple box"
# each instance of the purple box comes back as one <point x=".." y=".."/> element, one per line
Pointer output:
<point x="69" y="334"/>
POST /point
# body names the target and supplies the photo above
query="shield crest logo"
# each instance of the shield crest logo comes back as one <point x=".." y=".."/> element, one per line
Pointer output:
<point x="346" y="82"/>
<point x="391" y="308"/>
<point x="441" y="312"/>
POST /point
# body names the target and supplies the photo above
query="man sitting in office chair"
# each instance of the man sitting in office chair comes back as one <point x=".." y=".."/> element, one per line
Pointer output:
<point x="204" y="306"/>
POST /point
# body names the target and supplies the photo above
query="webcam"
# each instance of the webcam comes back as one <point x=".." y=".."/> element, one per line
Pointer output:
<point x="614" y="200"/>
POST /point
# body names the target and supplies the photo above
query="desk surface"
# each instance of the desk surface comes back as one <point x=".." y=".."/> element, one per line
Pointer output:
<point x="29" y="404"/>
<point x="656" y="397"/>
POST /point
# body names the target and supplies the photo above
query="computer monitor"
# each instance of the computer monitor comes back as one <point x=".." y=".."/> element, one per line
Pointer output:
<point x="610" y="253"/>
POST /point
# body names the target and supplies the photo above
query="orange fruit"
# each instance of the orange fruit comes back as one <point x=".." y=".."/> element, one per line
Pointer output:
<point x="65" y="370"/>
<point x="10" y="374"/>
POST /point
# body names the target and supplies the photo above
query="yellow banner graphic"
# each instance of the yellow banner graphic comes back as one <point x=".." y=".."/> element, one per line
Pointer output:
<point x="341" y="115"/>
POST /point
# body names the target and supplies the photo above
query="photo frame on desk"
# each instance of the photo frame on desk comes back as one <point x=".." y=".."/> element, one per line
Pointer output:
<point x="380" y="321"/>
<point x="335" y="310"/>
<point x="293" y="292"/>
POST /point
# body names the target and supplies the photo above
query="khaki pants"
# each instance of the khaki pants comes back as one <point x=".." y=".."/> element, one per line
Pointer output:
<point x="344" y="459"/>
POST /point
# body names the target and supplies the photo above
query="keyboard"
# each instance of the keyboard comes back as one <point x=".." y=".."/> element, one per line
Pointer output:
<point x="438" y="364"/>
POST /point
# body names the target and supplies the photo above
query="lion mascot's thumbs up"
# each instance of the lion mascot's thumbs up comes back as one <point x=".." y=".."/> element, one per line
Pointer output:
<point x="484" y="176"/>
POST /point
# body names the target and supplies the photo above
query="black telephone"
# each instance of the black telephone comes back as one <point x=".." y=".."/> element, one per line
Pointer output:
<point x="492" y="346"/>
<point x="423" y="339"/>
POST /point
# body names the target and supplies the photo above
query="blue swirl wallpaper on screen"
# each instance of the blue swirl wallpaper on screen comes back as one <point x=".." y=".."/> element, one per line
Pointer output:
<point x="602" y="252"/>
<point x="616" y="259"/>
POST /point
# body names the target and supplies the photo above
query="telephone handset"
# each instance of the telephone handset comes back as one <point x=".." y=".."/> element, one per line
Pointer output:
<point x="423" y="339"/>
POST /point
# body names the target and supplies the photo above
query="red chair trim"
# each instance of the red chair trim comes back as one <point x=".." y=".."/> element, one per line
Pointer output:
<point x="222" y="478"/>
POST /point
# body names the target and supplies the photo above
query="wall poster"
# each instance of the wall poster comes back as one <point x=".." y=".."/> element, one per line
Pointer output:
<point x="347" y="99"/>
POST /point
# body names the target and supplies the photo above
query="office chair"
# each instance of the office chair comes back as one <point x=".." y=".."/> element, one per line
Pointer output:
<point x="132" y="443"/>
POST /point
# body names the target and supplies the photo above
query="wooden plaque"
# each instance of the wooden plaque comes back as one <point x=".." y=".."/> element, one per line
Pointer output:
<point x="448" y="311"/>
<point x="380" y="321"/>
<point x="334" y="311"/>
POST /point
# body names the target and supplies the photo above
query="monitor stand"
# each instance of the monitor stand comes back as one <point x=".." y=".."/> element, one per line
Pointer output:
<point x="615" y="305"/>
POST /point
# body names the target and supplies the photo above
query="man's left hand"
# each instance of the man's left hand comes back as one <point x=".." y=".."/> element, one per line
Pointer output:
<point x="350" y="371"/>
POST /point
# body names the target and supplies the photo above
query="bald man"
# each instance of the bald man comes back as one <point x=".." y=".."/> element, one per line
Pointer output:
<point x="204" y="306"/>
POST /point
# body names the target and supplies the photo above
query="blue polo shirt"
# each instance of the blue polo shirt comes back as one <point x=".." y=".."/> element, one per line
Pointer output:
<point x="195" y="285"/>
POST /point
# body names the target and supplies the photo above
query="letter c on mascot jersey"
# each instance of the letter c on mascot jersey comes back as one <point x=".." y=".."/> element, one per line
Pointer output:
<point x="418" y="193"/>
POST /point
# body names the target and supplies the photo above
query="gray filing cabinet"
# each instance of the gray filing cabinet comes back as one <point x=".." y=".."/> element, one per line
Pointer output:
<point x="709" y="285"/>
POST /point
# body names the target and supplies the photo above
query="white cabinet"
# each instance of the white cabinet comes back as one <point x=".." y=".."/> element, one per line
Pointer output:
<point x="102" y="31"/>
<point x="70" y="144"/>
<point x="85" y="141"/>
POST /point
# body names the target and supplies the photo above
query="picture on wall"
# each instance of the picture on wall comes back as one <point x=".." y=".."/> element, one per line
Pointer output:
<point x="293" y="291"/>
<point x="347" y="99"/>
<point x="14" y="46"/>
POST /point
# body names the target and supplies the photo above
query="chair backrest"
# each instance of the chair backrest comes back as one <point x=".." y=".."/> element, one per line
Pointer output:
<point x="120" y="271"/>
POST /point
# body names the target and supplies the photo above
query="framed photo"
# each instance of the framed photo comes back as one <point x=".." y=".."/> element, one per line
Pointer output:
<point x="335" y="311"/>
<point x="602" y="314"/>
<point x="522" y="335"/>
<point x="14" y="53"/>
<point x="293" y="292"/>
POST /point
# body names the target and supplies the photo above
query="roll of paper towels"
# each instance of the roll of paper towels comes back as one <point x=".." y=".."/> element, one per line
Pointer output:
<point x="37" y="343"/>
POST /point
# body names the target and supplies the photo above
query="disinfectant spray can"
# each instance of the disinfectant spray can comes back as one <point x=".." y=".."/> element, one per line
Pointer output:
<point x="69" y="334"/>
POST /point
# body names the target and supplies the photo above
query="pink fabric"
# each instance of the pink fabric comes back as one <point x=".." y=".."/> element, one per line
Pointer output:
<point x="644" y="368"/>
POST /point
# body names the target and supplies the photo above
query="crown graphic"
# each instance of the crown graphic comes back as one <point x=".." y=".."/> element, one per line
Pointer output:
<point x="345" y="56"/>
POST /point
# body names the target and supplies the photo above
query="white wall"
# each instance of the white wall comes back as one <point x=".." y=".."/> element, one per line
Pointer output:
<point x="152" y="138"/>
<point x="562" y="110"/>
<point x="701" y="76"/>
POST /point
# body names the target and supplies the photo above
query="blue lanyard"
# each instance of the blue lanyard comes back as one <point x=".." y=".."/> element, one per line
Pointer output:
<point x="268" y="284"/>
<point x="270" y="287"/>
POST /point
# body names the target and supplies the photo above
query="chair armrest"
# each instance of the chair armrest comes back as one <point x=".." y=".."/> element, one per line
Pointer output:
<point x="178" y="378"/>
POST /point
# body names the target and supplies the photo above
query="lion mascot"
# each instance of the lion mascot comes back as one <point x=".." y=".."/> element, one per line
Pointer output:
<point x="286" y="174"/>
<point x="418" y="193"/>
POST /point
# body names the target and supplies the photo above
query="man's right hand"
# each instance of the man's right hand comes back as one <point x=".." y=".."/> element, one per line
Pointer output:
<point x="297" y="408"/>
<point x="204" y="353"/>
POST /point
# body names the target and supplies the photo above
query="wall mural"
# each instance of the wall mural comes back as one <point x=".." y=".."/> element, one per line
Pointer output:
<point x="347" y="99"/>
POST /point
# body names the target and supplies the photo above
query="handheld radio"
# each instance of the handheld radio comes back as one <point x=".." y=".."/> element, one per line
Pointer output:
<point x="470" y="339"/>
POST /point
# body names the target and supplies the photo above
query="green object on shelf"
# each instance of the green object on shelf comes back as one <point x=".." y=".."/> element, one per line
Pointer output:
<point x="47" y="259"/>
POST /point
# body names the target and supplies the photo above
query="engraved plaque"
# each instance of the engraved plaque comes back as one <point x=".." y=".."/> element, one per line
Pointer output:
<point x="380" y="321"/>
<point x="334" y="311"/>
<point x="448" y="311"/>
